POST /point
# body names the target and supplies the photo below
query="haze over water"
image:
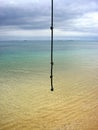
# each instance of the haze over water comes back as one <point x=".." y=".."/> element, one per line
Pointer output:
<point x="26" y="102"/>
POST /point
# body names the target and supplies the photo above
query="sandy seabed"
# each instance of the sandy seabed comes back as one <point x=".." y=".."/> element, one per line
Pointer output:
<point x="27" y="104"/>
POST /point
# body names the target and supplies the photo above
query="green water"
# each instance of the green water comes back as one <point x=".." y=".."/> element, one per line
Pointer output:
<point x="24" y="58"/>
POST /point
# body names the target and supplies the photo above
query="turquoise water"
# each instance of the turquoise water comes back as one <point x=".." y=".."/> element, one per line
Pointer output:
<point x="19" y="59"/>
<point x="18" y="56"/>
<point x="34" y="56"/>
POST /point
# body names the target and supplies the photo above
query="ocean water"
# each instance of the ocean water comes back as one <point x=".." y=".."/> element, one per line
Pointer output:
<point x="26" y="102"/>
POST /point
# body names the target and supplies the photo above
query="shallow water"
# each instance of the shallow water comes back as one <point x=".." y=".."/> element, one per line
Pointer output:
<point x="26" y="102"/>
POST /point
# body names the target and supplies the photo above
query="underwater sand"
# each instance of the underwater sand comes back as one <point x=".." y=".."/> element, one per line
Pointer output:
<point x="26" y="102"/>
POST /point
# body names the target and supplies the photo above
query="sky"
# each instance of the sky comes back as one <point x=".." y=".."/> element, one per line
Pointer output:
<point x="30" y="19"/>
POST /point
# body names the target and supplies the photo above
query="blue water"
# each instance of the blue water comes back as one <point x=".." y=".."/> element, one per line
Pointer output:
<point x="34" y="56"/>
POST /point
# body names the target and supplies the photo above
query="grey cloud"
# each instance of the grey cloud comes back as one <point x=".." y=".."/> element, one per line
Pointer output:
<point x="66" y="10"/>
<point x="67" y="13"/>
<point x="25" y="16"/>
<point x="63" y="11"/>
<point x="35" y="15"/>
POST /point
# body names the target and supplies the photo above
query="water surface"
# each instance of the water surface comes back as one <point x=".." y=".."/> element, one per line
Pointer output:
<point x="26" y="102"/>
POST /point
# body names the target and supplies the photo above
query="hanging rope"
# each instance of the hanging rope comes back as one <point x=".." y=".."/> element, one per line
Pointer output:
<point x="51" y="76"/>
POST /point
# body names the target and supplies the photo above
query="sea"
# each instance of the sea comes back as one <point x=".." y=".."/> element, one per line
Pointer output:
<point x="26" y="100"/>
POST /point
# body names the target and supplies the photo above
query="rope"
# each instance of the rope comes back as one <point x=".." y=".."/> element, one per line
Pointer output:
<point x="51" y="76"/>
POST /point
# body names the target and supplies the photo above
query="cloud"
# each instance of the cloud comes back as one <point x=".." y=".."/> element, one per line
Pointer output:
<point x="70" y="17"/>
<point x="25" y="15"/>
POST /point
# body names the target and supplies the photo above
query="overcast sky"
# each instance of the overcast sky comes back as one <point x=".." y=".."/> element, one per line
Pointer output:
<point x="30" y="19"/>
